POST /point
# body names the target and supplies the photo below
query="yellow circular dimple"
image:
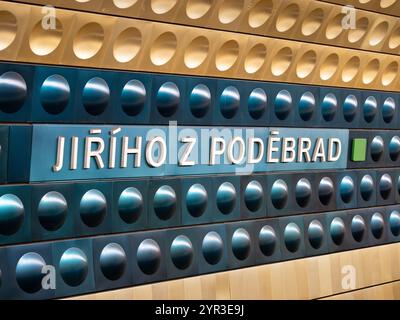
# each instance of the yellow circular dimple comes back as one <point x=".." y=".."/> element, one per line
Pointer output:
<point x="359" y="32"/>
<point x="127" y="45"/>
<point x="162" y="6"/>
<point x="312" y="22"/>
<point x="370" y="72"/>
<point x="387" y="3"/>
<point x="255" y="58"/>
<point x="394" y="40"/>
<point x="334" y="27"/>
<point x="196" y="53"/>
<point x="260" y="13"/>
<point x="281" y="61"/>
<point x="196" y="9"/>
<point x="8" y="29"/>
<point x="306" y="64"/>
<point x="378" y="34"/>
<point x="88" y="41"/>
<point x="227" y="55"/>
<point x="124" y="4"/>
<point x="230" y="10"/>
<point x="163" y="49"/>
<point x="390" y="73"/>
<point x="287" y="18"/>
<point x="351" y="69"/>
<point x="43" y="39"/>
<point x="329" y="67"/>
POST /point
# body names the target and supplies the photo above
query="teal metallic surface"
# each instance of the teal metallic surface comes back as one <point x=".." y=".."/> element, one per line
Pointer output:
<point x="337" y="230"/>
<point x="212" y="247"/>
<point x="52" y="210"/>
<point x="182" y="252"/>
<point x="148" y="256"/>
<point x="29" y="272"/>
<point x="130" y="205"/>
<point x="73" y="266"/>
<point x="11" y="214"/>
<point x="196" y="200"/>
<point x="55" y="94"/>
<point x="113" y="261"/>
<point x="93" y="208"/>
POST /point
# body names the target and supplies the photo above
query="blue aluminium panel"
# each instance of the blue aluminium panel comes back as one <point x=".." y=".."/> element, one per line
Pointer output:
<point x="160" y="151"/>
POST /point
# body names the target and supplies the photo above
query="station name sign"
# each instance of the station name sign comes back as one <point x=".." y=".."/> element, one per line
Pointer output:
<point x="68" y="152"/>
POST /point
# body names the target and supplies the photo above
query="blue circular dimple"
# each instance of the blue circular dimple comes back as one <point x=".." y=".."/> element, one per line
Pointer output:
<point x="28" y="272"/>
<point x="257" y="103"/>
<point x="292" y="236"/>
<point x="165" y="202"/>
<point x="388" y="110"/>
<point x="394" y="148"/>
<point x="337" y="230"/>
<point x="370" y="109"/>
<point x="12" y="214"/>
<point x="182" y="252"/>
<point x="212" y="248"/>
<point x="229" y="102"/>
<point x="325" y="190"/>
<point x="52" y="211"/>
<point x="267" y="240"/>
<point x="315" y="234"/>
<point x="200" y="100"/>
<point x="307" y="106"/>
<point x="279" y="194"/>
<point x="168" y="99"/>
<point x="130" y="205"/>
<point x="329" y="107"/>
<point x="358" y="228"/>
<point x="96" y="96"/>
<point x="367" y="187"/>
<point x="93" y="208"/>
<point x="226" y="197"/>
<point x="148" y="256"/>
<point x="241" y="244"/>
<point x="303" y="192"/>
<point x="196" y="200"/>
<point x="346" y="189"/>
<point x="350" y="106"/>
<point x="133" y="97"/>
<point x="377" y="225"/>
<point x="253" y="195"/>
<point x="55" y="94"/>
<point x="13" y="92"/>
<point x="398" y="185"/>
<point x="283" y="104"/>
<point x="385" y="186"/>
<point x="394" y="223"/>
<point x="74" y="267"/>
<point x="113" y="261"/>
<point x="377" y="148"/>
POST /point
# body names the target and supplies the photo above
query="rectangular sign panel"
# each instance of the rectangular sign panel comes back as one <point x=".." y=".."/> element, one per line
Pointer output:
<point x="69" y="152"/>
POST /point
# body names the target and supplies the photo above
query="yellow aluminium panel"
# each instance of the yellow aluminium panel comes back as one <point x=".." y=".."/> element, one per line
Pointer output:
<point x="302" y="20"/>
<point x="94" y="40"/>
<point x="391" y="7"/>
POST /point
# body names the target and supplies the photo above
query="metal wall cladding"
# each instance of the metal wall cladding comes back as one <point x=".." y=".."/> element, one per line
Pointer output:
<point x="115" y="261"/>
<point x="188" y="50"/>
<point x="306" y="20"/>
<point x="281" y="65"/>
<point x="45" y="94"/>
<point x="50" y="211"/>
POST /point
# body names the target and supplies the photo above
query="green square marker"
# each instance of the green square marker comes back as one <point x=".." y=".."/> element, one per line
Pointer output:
<point x="359" y="150"/>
